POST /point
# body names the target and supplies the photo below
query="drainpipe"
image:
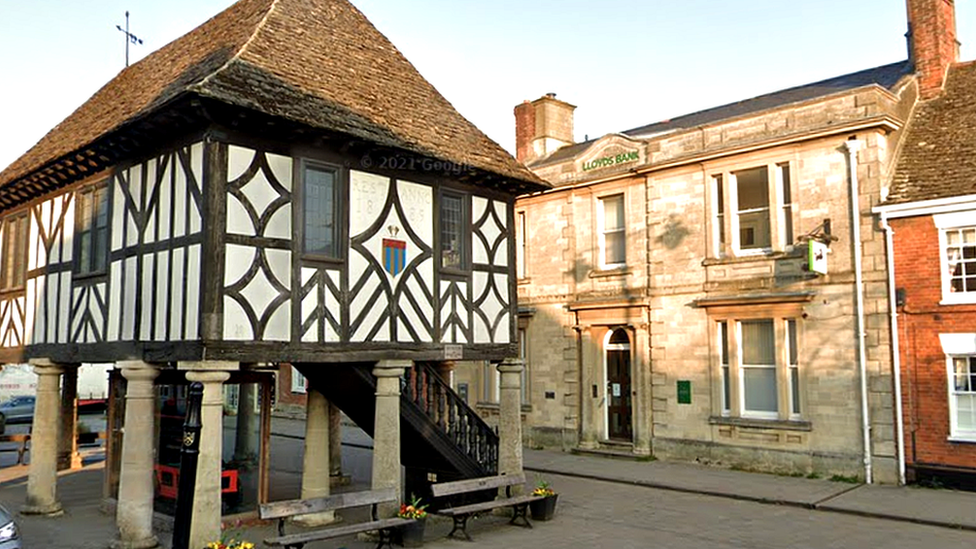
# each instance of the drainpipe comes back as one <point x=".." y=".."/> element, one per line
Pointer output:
<point x="895" y="347"/>
<point x="852" y="146"/>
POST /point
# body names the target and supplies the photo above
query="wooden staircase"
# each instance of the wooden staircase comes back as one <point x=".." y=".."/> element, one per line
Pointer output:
<point x="439" y="432"/>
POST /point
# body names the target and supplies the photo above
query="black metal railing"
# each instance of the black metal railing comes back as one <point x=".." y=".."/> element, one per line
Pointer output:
<point x="426" y="390"/>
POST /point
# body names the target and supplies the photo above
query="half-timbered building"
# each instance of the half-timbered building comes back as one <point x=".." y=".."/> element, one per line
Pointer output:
<point x="280" y="185"/>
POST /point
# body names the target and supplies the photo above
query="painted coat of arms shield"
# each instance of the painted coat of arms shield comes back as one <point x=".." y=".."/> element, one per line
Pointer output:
<point x="394" y="255"/>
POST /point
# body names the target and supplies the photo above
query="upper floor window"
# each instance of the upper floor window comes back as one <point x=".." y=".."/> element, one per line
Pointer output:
<point x="320" y="195"/>
<point x="453" y="219"/>
<point x="957" y="238"/>
<point x="754" y="207"/>
<point x="92" y="231"/>
<point x="13" y="262"/>
<point x="613" y="238"/>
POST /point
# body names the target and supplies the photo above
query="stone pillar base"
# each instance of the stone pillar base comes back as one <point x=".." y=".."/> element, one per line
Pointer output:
<point x="53" y="510"/>
<point x="148" y="543"/>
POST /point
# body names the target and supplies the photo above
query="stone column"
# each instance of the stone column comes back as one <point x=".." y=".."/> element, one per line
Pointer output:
<point x="510" y="419"/>
<point x="386" y="429"/>
<point x="206" y="501"/>
<point x="335" y="445"/>
<point x="134" y="512"/>
<point x="68" y="456"/>
<point x="248" y="425"/>
<point x="42" y="479"/>
<point x="316" y="468"/>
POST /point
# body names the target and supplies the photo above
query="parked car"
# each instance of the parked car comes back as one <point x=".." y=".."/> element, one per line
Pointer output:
<point x="9" y="535"/>
<point x="18" y="409"/>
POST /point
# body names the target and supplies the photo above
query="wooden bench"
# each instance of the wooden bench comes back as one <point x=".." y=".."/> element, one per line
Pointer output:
<point x="21" y="447"/>
<point x="461" y="514"/>
<point x="283" y="510"/>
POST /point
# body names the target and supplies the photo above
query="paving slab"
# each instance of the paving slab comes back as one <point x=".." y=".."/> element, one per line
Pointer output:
<point x="687" y="477"/>
<point x="951" y="508"/>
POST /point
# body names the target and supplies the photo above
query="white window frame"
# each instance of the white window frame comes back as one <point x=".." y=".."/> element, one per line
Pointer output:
<point x="299" y="385"/>
<point x="962" y="345"/>
<point x="723" y="187"/>
<point x="607" y="347"/>
<point x="952" y="222"/>
<point x="601" y="229"/>
<point x="761" y="414"/>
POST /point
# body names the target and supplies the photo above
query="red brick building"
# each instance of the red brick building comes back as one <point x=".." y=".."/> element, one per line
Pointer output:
<point x="930" y="218"/>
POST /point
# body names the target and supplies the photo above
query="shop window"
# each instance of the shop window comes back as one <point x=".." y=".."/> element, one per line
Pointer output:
<point x="758" y="361"/>
<point x="320" y="211"/>
<point x="957" y="238"/>
<point x="453" y="224"/>
<point x="91" y="213"/>
<point x="14" y="259"/>
<point x="612" y="231"/>
<point x="759" y="201"/>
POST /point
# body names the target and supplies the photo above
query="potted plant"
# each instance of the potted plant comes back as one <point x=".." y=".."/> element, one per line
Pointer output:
<point x="545" y="508"/>
<point x="412" y="535"/>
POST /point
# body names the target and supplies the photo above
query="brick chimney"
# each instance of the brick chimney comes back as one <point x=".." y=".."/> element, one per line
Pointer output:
<point x="542" y="126"/>
<point x="932" y="44"/>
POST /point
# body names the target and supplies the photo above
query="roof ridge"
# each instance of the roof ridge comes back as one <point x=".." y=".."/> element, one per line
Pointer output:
<point x="240" y="51"/>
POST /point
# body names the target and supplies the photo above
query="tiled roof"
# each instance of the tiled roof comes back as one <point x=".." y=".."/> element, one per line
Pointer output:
<point x="316" y="62"/>
<point x="886" y="76"/>
<point x="938" y="154"/>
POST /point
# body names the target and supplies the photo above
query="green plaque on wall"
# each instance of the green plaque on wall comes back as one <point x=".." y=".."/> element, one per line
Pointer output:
<point x="684" y="391"/>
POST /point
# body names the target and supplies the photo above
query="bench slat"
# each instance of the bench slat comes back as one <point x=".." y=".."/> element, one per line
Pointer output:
<point x="486" y="505"/>
<point x="279" y="509"/>
<point x="336" y="531"/>
<point x="475" y="484"/>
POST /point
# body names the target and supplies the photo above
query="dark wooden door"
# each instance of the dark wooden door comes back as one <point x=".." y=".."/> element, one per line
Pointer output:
<point x="619" y="411"/>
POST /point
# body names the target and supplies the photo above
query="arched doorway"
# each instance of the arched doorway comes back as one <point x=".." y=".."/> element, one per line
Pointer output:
<point x="619" y="404"/>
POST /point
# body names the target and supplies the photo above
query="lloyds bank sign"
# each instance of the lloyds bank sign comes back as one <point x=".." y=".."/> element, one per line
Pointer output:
<point x="612" y="160"/>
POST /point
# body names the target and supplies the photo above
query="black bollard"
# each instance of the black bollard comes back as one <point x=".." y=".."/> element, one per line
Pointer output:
<point x="189" y="453"/>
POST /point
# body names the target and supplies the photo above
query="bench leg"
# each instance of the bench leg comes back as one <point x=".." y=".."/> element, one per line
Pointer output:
<point x="387" y="537"/>
<point x="521" y="511"/>
<point x="460" y="521"/>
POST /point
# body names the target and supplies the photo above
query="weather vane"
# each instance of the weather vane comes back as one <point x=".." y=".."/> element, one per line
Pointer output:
<point x="129" y="37"/>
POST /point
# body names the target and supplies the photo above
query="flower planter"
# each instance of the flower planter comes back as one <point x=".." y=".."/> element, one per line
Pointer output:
<point x="412" y="535"/>
<point x="543" y="509"/>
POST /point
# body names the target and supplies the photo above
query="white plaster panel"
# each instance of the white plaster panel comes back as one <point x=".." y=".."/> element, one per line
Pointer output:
<point x="481" y="330"/>
<point x="360" y="300"/>
<point x="19" y="321"/>
<point x="145" y="325"/>
<point x="279" y="226"/>
<point x="417" y="202"/>
<point x="259" y="192"/>
<point x="332" y="305"/>
<point x="176" y="300"/>
<point x="238" y="161"/>
<point x="502" y="330"/>
<point x="281" y="168"/>
<point x="6" y="306"/>
<point x="195" y="222"/>
<point x="165" y="204"/>
<point x="97" y="318"/>
<point x="259" y="293"/>
<point x="367" y="196"/>
<point x="76" y="318"/>
<point x="307" y="274"/>
<point x="114" y="302"/>
<point x="501" y="255"/>
<point x="65" y="282"/>
<point x="309" y="303"/>
<point x="238" y="260"/>
<point x="118" y="214"/>
<point x="312" y="334"/>
<point x="135" y="184"/>
<point x="51" y="296"/>
<point x="236" y="325"/>
<point x="193" y="293"/>
<point x="162" y="295"/>
<point x="30" y="312"/>
<point x="196" y="163"/>
<point x="479" y="253"/>
<point x="180" y="199"/>
<point x="63" y="247"/>
<point x="238" y="221"/>
<point x="129" y="307"/>
<point x="152" y="211"/>
<point x="478" y="205"/>
<point x="278" y="327"/>
<point x="414" y="319"/>
<point x="132" y="234"/>
<point x="280" y="263"/>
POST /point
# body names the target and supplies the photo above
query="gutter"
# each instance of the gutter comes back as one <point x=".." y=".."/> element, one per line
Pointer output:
<point x="852" y="147"/>
<point x="895" y="347"/>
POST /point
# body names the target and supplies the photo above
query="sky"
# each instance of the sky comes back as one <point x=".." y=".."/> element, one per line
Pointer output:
<point x="623" y="63"/>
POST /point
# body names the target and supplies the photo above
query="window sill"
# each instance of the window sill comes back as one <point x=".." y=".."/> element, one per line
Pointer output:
<point x="956" y="299"/>
<point x="86" y="276"/>
<point x="609" y="272"/>
<point x="494" y="406"/>
<point x="523" y="281"/>
<point x="960" y="439"/>
<point x="755" y="423"/>
<point x="728" y="260"/>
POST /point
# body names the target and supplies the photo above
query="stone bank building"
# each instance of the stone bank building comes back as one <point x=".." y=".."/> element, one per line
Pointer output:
<point x="279" y="185"/>
<point x="713" y="287"/>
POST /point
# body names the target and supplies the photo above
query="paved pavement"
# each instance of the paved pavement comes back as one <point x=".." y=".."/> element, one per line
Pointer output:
<point x="586" y="484"/>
